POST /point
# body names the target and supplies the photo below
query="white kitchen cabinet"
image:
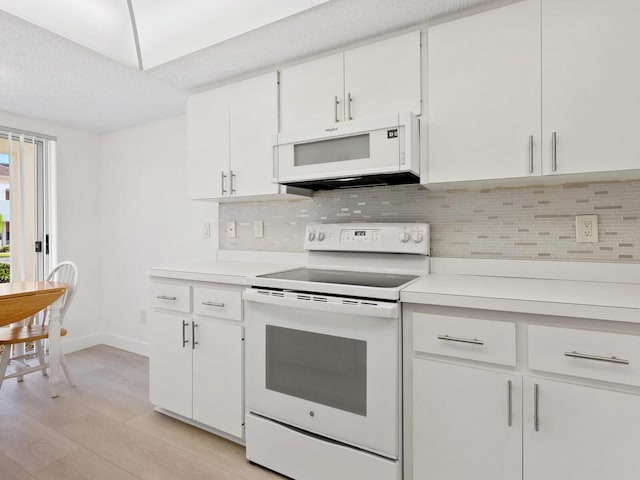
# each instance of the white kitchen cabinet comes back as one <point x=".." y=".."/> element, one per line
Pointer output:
<point x="484" y="95"/>
<point x="590" y="78"/>
<point x="539" y="87"/>
<point x="231" y="131"/>
<point x="218" y="376"/>
<point x="467" y="423"/>
<point x="170" y="363"/>
<point x="197" y="359"/>
<point x="583" y="432"/>
<point x="369" y="81"/>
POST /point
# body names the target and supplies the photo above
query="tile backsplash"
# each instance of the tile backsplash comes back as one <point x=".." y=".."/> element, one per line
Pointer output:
<point x="506" y="223"/>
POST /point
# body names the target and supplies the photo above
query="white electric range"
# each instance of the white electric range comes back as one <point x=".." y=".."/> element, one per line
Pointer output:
<point x="323" y="354"/>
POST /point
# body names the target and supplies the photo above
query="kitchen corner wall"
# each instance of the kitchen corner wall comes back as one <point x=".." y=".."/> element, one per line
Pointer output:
<point x="531" y="223"/>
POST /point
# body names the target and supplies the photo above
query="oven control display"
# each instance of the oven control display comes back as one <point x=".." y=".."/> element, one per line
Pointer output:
<point x="352" y="236"/>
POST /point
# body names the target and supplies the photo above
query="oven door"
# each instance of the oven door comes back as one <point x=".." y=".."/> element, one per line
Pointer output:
<point x="327" y="365"/>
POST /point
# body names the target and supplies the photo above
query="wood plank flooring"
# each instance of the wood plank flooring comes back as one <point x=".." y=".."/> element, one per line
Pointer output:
<point x="106" y="429"/>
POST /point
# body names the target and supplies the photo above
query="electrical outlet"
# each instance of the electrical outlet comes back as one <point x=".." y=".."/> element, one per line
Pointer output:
<point x="206" y="230"/>
<point x="586" y="228"/>
<point x="258" y="229"/>
<point x="231" y="229"/>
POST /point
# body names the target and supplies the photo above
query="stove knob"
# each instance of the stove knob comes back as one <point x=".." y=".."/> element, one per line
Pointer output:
<point x="312" y="236"/>
<point x="404" y="237"/>
<point x="416" y="237"/>
<point x="320" y="236"/>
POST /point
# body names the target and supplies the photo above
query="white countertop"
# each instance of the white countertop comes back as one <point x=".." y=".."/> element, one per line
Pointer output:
<point x="235" y="273"/>
<point x="569" y="298"/>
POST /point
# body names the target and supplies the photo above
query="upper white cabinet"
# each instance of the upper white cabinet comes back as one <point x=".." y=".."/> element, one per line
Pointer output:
<point x="368" y="81"/>
<point x="590" y="78"/>
<point x="484" y="95"/>
<point x="230" y="139"/>
<point x="539" y="87"/>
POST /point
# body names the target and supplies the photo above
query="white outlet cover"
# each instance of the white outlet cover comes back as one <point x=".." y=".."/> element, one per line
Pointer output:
<point x="586" y="228"/>
<point x="206" y="230"/>
<point x="258" y="229"/>
<point x="231" y="229"/>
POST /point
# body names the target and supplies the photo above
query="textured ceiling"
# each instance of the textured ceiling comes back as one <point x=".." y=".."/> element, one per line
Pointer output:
<point x="45" y="76"/>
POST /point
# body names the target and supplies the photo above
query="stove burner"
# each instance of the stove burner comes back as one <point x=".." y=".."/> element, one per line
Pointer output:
<point x="343" y="277"/>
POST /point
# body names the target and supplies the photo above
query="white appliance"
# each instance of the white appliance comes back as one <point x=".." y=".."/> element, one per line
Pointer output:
<point x="323" y="354"/>
<point x="378" y="151"/>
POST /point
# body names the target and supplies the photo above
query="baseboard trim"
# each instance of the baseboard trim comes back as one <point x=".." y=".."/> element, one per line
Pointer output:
<point x="124" y="343"/>
<point x="75" y="344"/>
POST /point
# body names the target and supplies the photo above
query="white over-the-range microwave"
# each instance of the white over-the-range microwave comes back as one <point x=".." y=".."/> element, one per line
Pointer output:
<point x="376" y="151"/>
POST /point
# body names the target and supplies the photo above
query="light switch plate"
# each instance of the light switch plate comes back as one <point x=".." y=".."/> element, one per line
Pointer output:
<point x="231" y="229"/>
<point x="586" y="228"/>
<point x="258" y="229"/>
<point x="206" y="230"/>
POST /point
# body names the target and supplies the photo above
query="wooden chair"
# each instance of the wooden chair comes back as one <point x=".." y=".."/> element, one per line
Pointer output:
<point x="37" y="332"/>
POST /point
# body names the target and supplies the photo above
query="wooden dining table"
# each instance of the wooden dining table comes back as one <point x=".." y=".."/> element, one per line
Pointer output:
<point x="21" y="300"/>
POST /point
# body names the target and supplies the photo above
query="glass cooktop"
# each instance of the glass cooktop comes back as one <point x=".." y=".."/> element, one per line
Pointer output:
<point x="343" y="277"/>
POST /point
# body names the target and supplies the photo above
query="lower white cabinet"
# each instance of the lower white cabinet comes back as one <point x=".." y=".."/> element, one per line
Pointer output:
<point x="196" y="366"/>
<point x="467" y="423"/>
<point x="582" y="432"/>
<point x="170" y="363"/>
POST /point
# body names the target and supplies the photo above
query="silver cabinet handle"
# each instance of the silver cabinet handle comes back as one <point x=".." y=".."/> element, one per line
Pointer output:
<point x="554" y="151"/>
<point x="449" y="338"/>
<point x="349" y="100"/>
<point x="598" y="358"/>
<point x="530" y="153"/>
<point x="335" y="108"/>
<point x="184" y="333"/>
<point x="222" y="177"/>
<point x="165" y="297"/>
<point x="232" y="187"/>
<point x="193" y="335"/>
<point x="213" y="304"/>
<point x="536" y="407"/>
<point x="509" y="402"/>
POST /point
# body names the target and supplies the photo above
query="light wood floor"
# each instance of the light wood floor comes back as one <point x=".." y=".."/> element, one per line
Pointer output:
<point x="106" y="429"/>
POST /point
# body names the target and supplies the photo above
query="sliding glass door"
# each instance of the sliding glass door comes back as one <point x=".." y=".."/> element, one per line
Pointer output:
<point x="25" y="206"/>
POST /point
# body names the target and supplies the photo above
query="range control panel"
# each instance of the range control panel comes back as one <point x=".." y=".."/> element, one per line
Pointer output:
<point x="369" y="237"/>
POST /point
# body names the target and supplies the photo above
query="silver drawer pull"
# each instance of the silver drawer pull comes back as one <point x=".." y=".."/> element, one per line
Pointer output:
<point x="213" y="304"/>
<point x="448" y="338"/>
<point x="598" y="358"/>
<point x="165" y="297"/>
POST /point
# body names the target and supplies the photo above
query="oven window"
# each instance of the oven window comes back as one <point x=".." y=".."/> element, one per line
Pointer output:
<point x="321" y="368"/>
<point x="333" y="150"/>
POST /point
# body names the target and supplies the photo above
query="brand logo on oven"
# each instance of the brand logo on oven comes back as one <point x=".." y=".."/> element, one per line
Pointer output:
<point x="392" y="133"/>
<point x="331" y="129"/>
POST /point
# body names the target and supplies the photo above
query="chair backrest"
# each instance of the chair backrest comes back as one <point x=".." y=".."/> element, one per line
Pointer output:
<point x="65" y="272"/>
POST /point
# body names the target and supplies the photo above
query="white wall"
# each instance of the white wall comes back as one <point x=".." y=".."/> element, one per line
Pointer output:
<point x="79" y="239"/>
<point x="147" y="221"/>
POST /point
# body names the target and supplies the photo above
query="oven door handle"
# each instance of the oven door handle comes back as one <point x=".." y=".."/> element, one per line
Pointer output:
<point x="359" y="307"/>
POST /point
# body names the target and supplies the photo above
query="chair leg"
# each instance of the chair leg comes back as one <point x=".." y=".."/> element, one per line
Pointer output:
<point x="65" y="369"/>
<point x="6" y="356"/>
<point x="19" y="349"/>
<point x="40" y="351"/>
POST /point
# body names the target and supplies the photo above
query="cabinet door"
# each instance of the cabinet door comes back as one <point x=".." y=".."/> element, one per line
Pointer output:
<point x="590" y="76"/>
<point x="253" y="127"/>
<point x="207" y="144"/>
<point x="583" y="433"/>
<point x="217" y="376"/>
<point x="308" y="92"/>
<point x="383" y="77"/>
<point x="170" y="363"/>
<point x="484" y="95"/>
<point x="467" y="423"/>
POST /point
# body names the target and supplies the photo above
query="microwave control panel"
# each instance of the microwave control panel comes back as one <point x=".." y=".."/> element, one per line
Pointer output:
<point x="368" y="237"/>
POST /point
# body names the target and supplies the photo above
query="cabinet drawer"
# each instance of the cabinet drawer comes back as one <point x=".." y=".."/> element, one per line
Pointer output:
<point x="171" y="297"/>
<point x="215" y="302"/>
<point x="470" y="338"/>
<point x="612" y="357"/>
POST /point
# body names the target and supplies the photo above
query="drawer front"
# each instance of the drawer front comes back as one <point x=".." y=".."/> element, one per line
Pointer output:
<point x="171" y="297"/>
<point x="215" y="302"/>
<point x="611" y="357"/>
<point x="469" y="338"/>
